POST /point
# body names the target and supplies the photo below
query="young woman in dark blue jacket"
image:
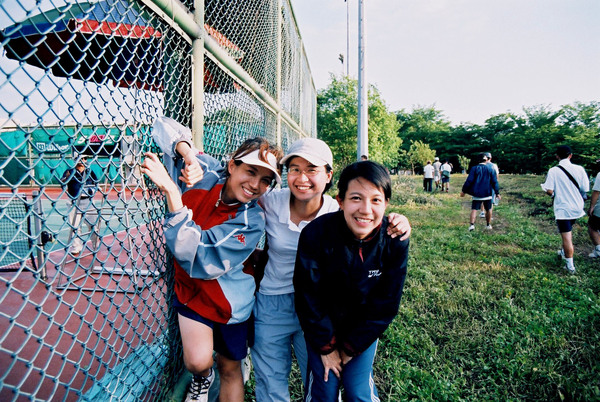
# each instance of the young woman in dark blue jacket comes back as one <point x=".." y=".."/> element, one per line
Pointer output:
<point x="348" y="282"/>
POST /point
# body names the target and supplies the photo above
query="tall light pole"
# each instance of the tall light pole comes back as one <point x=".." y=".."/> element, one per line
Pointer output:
<point x="347" y="38"/>
<point x="363" y="102"/>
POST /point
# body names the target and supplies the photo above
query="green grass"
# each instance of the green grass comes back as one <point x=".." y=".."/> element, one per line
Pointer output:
<point x="489" y="314"/>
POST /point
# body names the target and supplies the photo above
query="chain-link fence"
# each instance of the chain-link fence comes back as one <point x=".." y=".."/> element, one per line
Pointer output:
<point x="86" y="279"/>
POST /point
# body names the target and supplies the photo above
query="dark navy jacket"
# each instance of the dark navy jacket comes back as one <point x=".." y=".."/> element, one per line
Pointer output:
<point x="481" y="181"/>
<point x="77" y="181"/>
<point x="347" y="291"/>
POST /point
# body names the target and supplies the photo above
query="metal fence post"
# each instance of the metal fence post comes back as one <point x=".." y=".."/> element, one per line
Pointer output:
<point x="198" y="79"/>
<point x="279" y="57"/>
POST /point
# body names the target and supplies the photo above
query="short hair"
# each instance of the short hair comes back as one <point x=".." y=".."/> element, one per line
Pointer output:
<point x="563" y="151"/>
<point x="482" y="157"/>
<point x="368" y="170"/>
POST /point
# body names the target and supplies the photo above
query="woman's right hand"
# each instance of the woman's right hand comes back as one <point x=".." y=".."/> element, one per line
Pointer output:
<point x="332" y="362"/>
<point x="192" y="173"/>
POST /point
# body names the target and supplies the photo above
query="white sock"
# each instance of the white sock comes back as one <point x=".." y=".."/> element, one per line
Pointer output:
<point x="570" y="262"/>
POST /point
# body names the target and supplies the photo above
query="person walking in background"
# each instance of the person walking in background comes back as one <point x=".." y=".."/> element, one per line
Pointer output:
<point x="566" y="183"/>
<point x="82" y="184"/>
<point x="212" y="226"/>
<point x="288" y="210"/>
<point x="480" y="184"/>
<point x="495" y="167"/>
<point x="436" y="172"/>
<point x="594" y="218"/>
<point x="446" y="170"/>
<point x="428" y="177"/>
<point x="348" y="279"/>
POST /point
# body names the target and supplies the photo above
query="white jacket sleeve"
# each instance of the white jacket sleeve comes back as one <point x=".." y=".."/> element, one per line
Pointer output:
<point x="167" y="133"/>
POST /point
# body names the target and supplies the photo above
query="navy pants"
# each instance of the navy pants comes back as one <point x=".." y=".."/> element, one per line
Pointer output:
<point x="357" y="379"/>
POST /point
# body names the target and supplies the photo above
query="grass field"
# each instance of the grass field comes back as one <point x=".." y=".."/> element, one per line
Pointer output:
<point x="489" y="315"/>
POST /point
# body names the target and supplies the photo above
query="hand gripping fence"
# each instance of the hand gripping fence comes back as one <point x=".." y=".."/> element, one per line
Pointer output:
<point x="86" y="280"/>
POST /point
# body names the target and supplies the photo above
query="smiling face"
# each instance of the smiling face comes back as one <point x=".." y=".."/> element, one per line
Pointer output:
<point x="305" y="180"/>
<point x="364" y="206"/>
<point x="246" y="182"/>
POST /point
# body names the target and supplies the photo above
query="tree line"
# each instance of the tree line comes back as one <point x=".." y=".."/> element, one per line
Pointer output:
<point x="520" y="143"/>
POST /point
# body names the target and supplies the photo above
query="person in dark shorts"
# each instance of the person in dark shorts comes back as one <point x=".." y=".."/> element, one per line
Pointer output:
<point x="566" y="183"/>
<point x="212" y="226"/>
<point x="594" y="218"/>
<point x="480" y="184"/>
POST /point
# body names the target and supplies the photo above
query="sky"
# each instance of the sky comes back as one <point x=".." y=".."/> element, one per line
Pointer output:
<point x="471" y="59"/>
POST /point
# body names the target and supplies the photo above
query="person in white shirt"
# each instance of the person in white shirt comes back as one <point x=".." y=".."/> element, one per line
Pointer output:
<point x="568" y="200"/>
<point x="428" y="176"/>
<point x="436" y="172"/>
<point x="446" y="170"/>
<point x="309" y="163"/>
<point x="594" y="218"/>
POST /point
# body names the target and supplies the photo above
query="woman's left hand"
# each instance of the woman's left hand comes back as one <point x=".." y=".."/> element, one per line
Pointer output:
<point x="155" y="170"/>
<point x="399" y="225"/>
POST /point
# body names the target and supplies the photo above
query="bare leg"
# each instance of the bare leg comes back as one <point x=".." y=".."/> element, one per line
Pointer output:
<point x="567" y="241"/>
<point x="473" y="216"/>
<point x="197" y="340"/>
<point x="594" y="235"/>
<point x="232" y="381"/>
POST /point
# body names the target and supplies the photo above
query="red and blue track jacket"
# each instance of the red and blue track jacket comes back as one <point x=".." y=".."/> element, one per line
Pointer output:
<point x="210" y="241"/>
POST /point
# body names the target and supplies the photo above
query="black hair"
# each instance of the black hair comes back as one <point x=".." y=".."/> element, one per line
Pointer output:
<point x="482" y="157"/>
<point x="563" y="151"/>
<point x="368" y="170"/>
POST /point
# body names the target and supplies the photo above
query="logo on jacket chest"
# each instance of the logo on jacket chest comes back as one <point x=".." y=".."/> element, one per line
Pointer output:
<point x="241" y="238"/>
<point x="373" y="273"/>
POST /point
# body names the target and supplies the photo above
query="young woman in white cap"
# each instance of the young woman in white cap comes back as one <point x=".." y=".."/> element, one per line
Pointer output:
<point x="213" y="225"/>
<point x="288" y="210"/>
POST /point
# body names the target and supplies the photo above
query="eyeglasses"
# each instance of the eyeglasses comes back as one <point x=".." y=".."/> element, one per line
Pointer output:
<point x="294" y="171"/>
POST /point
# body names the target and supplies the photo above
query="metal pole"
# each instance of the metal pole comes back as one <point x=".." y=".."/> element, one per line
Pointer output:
<point x="198" y="80"/>
<point x="37" y="219"/>
<point x="347" y="38"/>
<point x="278" y="72"/>
<point x="363" y="102"/>
<point x="176" y="11"/>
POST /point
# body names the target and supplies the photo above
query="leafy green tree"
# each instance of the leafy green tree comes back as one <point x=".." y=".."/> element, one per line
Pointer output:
<point x="519" y="143"/>
<point x="425" y="124"/>
<point x="337" y="123"/>
<point x="419" y="153"/>
<point x="582" y="131"/>
<point x="464" y="162"/>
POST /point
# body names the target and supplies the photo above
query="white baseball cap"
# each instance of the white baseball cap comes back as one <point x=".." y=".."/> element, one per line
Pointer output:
<point x="253" y="159"/>
<point x="314" y="150"/>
